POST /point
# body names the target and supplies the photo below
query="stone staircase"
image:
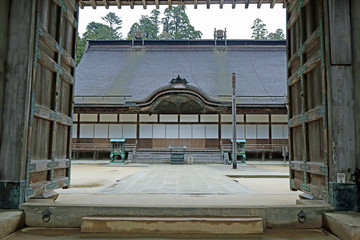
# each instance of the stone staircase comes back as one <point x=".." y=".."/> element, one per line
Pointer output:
<point x="164" y="157"/>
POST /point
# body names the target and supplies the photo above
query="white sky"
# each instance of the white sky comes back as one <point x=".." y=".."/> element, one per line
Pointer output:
<point x="237" y="21"/>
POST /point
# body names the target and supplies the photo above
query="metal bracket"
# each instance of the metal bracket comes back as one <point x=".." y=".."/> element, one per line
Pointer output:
<point x="303" y="118"/>
<point x="324" y="170"/>
<point x="57" y="68"/>
<point x="292" y="184"/>
<point x="52" y="164"/>
<point x="55" y="116"/>
<point x="305" y="188"/>
<point x="51" y="186"/>
<point x="304" y="166"/>
<point x="301" y="70"/>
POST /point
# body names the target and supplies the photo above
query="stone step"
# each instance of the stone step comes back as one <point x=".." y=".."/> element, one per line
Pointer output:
<point x="345" y="225"/>
<point x="171" y="225"/>
<point x="273" y="216"/>
<point x="10" y="221"/>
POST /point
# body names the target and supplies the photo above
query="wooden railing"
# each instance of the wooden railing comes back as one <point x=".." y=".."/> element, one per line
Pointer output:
<point x="256" y="147"/>
<point x="99" y="147"/>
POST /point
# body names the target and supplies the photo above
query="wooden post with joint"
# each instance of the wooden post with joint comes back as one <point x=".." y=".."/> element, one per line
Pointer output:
<point x="234" y="157"/>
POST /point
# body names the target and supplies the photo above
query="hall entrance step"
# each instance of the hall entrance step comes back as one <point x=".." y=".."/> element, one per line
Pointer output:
<point x="205" y="226"/>
<point x="165" y="157"/>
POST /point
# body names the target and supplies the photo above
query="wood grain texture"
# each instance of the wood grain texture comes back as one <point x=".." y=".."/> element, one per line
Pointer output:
<point x="4" y="24"/>
<point x="16" y="95"/>
<point x="340" y="32"/>
<point x="341" y="120"/>
<point x="355" y="34"/>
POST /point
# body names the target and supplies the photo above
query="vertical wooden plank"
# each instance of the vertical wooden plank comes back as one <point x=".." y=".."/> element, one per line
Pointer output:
<point x="13" y="149"/>
<point x="340" y="32"/>
<point x="341" y="120"/>
<point x="355" y="27"/>
<point x="4" y="24"/>
<point x="15" y="82"/>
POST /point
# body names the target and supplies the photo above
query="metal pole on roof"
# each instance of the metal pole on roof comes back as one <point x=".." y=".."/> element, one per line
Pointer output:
<point x="234" y="156"/>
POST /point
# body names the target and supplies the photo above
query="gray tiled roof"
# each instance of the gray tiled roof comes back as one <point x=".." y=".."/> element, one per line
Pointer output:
<point x="117" y="68"/>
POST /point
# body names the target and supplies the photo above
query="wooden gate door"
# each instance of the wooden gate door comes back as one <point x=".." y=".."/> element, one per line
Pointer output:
<point x="307" y="98"/>
<point x="49" y="141"/>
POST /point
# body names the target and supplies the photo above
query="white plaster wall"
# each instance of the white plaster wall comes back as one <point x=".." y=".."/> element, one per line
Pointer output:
<point x="86" y="130"/>
<point x="198" y="131"/>
<point x="88" y="117"/>
<point x="159" y="130"/>
<point x="185" y="131"/>
<point x="189" y="118"/>
<point x="146" y="131"/>
<point x="209" y="118"/>
<point x="148" y="118"/>
<point x="172" y="131"/>
<point x="108" y="117"/>
<point x="211" y="131"/>
<point x="128" y="117"/>
<point x="168" y="118"/>
<point x="257" y="118"/>
<point x="129" y="130"/>
<point x="115" y="131"/>
<point x="101" y="131"/>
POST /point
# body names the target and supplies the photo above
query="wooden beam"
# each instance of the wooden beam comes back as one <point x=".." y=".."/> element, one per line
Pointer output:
<point x="233" y="4"/>
<point x="208" y="4"/>
<point x="221" y="4"/>
<point x="259" y="3"/>
<point x="247" y="4"/>
<point x="285" y="3"/>
<point x="118" y="3"/>
<point x="81" y="4"/>
<point x="132" y="4"/>
<point x="272" y="4"/>
<point x="157" y="4"/>
<point x="144" y="4"/>
<point x="106" y="4"/>
<point x="195" y="4"/>
<point x="170" y="4"/>
<point x="182" y="5"/>
<point x="93" y="4"/>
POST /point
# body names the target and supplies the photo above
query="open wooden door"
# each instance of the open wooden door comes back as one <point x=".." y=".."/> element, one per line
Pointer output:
<point x="52" y="91"/>
<point x="308" y="134"/>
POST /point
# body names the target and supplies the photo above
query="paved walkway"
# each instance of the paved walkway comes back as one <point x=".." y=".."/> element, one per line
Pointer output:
<point x="188" y="179"/>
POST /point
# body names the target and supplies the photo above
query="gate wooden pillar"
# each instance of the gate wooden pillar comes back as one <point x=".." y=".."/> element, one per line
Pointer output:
<point x="37" y="51"/>
<point x="16" y="51"/>
<point x="322" y="58"/>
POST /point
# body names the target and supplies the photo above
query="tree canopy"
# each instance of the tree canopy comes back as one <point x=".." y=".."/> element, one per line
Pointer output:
<point x="261" y="33"/>
<point x="148" y="25"/>
<point x="99" y="31"/>
<point x="176" y="25"/>
<point x="277" y="35"/>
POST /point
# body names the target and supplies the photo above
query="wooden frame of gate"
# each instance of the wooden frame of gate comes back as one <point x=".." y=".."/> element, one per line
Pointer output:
<point x="308" y="138"/>
<point x="37" y="49"/>
<point x="321" y="105"/>
<point x="52" y="90"/>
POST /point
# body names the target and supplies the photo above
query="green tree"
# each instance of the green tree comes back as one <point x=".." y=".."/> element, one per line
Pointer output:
<point x="148" y="25"/>
<point x="277" y="35"/>
<point x="176" y="25"/>
<point x="115" y="23"/>
<point x="80" y="48"/>
<point x="259" y="30"/>
<point x="99" y="31"/>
